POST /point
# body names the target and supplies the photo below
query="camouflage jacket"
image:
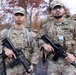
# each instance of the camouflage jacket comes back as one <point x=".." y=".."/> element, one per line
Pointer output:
<point x="19" y="39"/>
<point x="58" y="31"/>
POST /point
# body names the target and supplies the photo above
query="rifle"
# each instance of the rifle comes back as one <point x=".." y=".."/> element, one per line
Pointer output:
<point x="58" y="51"/>
<point x="3" y="61"/>
<point x="20" y="58"/>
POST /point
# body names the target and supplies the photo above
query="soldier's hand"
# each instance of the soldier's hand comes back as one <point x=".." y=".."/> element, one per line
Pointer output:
<point x="9" y="52"/>
<point x="30" y="70"/>
<point x="48" y="47"/>
<point x="70" y="58"/>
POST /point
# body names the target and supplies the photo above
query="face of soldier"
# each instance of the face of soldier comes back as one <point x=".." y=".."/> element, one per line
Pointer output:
<point x="58" y="12"/>
<point x="19" y="18"/>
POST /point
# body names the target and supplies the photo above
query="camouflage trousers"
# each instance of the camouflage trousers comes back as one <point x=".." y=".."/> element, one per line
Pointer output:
<point x="17" y="70"/>
<point x="60" y="67"/>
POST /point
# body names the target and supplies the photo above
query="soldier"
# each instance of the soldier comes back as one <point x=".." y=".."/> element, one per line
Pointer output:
<point x="20" y="37"/>
<point x="63" y="31"/>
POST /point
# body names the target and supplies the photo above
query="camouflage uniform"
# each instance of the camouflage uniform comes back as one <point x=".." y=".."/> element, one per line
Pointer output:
<point x="56" y="32"/>
<point x="20" y="40"/>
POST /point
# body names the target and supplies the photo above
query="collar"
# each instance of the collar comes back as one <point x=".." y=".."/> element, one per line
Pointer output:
<point x="22" y="30"/>
<point x="61" y="23"/>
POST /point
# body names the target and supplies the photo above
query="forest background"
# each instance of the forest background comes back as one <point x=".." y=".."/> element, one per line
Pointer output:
<point x="38" y="12"/>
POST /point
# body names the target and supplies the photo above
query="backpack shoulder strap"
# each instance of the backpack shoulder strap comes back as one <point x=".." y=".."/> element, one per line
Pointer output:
<point x="29" y="35"/>
<point x="7" y="31"/>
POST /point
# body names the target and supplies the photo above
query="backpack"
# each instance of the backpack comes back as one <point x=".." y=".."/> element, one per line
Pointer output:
<point x="29" y="34"/>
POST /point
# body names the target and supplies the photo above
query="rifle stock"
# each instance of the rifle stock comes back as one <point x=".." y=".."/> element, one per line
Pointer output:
<point x="3" y="61"/>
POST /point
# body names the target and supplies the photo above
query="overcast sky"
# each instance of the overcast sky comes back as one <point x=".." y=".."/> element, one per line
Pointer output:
<point x="71" y="5"/>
